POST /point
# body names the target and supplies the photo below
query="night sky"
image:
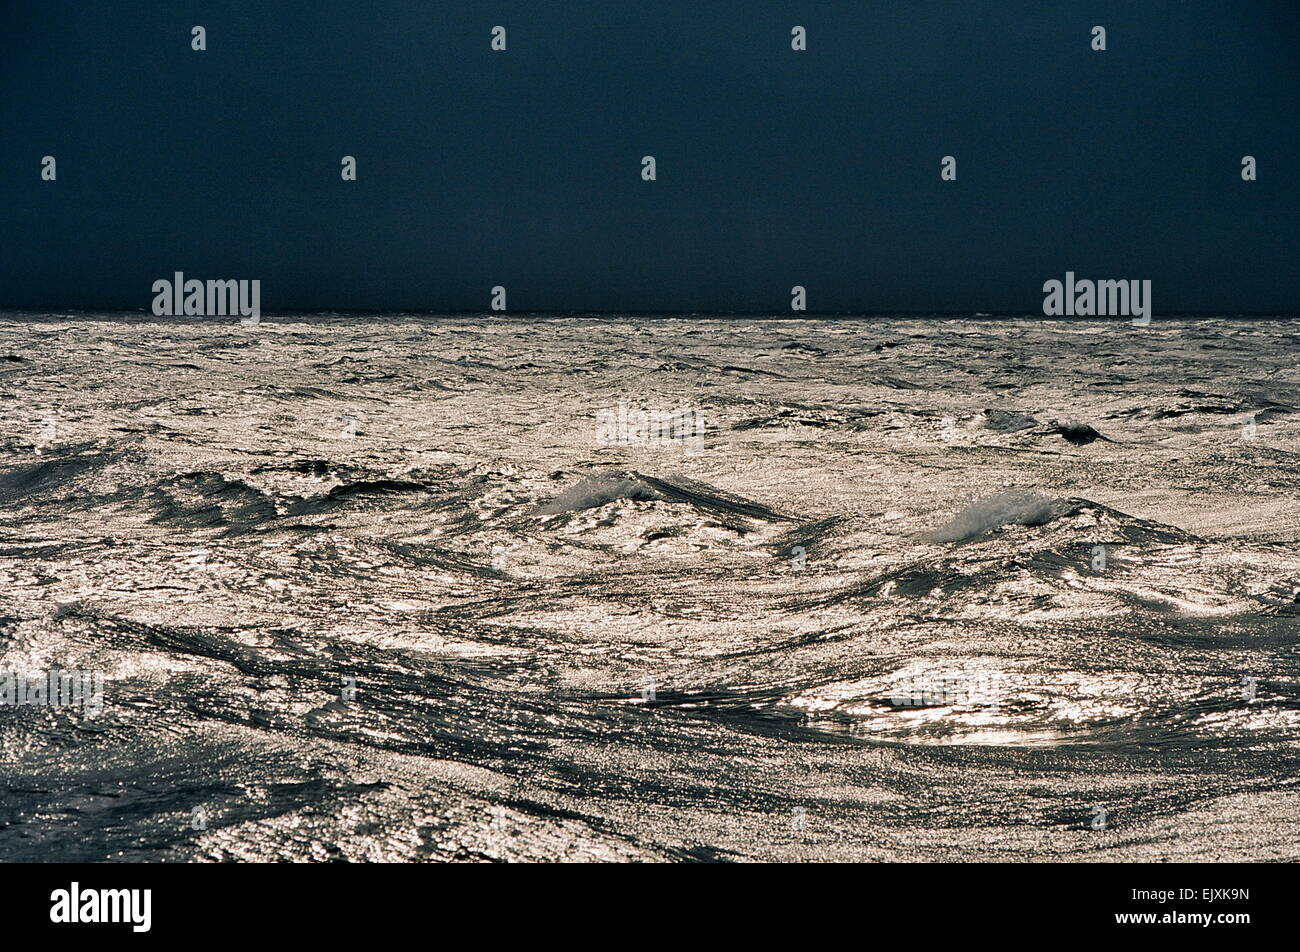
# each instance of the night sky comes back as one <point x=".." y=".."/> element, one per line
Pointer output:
<point x="775" y="168"/>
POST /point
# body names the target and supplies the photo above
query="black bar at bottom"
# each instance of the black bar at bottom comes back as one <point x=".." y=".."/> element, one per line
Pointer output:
<point x="341" y="902"/>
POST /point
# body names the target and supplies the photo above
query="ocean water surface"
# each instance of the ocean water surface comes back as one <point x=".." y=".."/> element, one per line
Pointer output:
<point x="402" y="587"/>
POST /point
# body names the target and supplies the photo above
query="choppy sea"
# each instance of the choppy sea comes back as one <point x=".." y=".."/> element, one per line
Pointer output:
<point x="402" y="587"/>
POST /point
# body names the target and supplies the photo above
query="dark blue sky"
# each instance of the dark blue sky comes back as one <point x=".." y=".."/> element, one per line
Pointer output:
<point x="775" y="168"/>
